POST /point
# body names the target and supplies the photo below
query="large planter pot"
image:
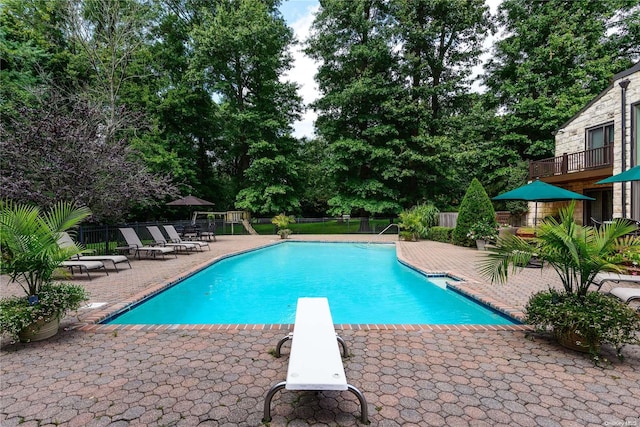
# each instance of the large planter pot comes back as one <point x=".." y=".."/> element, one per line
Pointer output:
<point x="573" y="340"/>
<point x="40" y="330"/>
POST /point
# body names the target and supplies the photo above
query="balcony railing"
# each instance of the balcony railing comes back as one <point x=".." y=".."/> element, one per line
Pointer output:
<point x="596" y="158"/>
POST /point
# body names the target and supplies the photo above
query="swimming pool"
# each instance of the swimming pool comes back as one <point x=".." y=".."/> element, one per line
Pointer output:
<point x="365" y="284"/>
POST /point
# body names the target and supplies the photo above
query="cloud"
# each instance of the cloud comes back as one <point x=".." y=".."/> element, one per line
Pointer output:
<point x="303" y="72"/>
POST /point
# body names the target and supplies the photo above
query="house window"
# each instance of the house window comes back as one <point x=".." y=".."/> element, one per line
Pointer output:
<point x="600" y="136"/>
<point x="599" y="141"/>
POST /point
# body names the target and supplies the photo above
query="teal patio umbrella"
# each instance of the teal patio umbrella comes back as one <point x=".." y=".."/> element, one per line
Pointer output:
<point x="538" y="191"/>
<point x="632" y="174"/>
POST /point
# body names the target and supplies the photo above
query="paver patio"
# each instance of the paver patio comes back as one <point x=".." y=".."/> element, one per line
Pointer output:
<point x="104" y="376"/>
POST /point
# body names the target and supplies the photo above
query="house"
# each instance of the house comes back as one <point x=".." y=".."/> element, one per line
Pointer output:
<point x="602" y="139"/>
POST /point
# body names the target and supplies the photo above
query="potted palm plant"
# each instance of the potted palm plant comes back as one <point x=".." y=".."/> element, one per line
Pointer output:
<point x="30" y="256"/>
<point x="282" y="221"/>
<point x="579" y="318"/>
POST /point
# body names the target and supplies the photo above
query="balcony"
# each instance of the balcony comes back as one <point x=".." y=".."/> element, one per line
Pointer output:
<point x="583" y="161"/>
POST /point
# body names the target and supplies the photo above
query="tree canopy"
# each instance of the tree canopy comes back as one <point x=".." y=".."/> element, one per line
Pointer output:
<point x="189" y="96"/>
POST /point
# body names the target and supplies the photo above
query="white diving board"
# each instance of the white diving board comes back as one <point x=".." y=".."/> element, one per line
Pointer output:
<point x="315" y="362"/>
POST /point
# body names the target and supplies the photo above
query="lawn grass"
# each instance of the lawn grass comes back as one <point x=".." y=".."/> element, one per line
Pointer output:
<point x="326" y="227"/>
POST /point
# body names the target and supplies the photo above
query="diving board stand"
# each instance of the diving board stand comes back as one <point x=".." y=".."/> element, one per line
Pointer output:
<point x="314" y="363"/>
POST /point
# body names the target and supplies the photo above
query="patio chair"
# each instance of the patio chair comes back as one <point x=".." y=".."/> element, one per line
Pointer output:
<point x="65" y="241"/>
<point x="159" y="239"/>
<point x="626" y="295"/>
<point x="602" y="278"/>
<point x="175" y="237"/>
<point x="84" y="266"/>
<point x="134" y="243"/>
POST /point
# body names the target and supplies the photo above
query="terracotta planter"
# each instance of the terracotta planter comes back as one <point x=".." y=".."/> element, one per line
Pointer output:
<point x="40" y="330"/>
<point x="573" y="340"/>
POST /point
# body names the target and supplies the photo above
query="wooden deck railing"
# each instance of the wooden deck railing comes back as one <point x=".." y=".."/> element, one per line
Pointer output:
<point x="595" y="158"/>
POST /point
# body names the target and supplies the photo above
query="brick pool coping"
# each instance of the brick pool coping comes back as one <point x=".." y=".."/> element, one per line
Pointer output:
<point x="92" y="321"/>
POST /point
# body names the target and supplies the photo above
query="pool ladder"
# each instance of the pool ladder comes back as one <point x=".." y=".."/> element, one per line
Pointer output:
<point x="388" y="227"/>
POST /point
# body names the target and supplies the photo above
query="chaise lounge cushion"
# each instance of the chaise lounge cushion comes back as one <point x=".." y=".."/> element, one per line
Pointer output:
<point x="626" y="294"/>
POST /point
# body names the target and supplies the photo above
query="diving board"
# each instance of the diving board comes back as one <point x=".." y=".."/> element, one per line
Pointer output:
<point x="314" y="363"/>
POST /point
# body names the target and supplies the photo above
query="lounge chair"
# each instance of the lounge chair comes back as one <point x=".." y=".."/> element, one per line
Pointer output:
<point x="174" y="237"/>
<point x="314" y="362"/>
<point x="84" y="266"/>
<point x="602" y="278"/>
<point x="159" y="239"/>
<point x="626" y="295"/>
<point x="65" y="241"/>
<point x="134" y="243"/>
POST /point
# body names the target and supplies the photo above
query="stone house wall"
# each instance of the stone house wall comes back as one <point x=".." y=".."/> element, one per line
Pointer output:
<point x="572" y="137"/>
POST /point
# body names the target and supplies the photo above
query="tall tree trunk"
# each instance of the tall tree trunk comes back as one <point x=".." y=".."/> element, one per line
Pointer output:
<point x="365" y="225"/>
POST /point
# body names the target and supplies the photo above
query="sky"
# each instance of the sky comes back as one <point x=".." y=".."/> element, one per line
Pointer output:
<point x="299" y="15"/>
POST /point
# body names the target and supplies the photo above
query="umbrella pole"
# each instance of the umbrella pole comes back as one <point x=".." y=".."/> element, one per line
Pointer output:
<point x="535" y="218"/>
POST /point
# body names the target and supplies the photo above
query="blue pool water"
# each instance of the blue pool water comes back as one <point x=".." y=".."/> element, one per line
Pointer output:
<point x="365" y="283"/>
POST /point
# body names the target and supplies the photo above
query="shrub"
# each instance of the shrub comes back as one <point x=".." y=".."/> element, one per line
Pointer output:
<point x="475" y="207"/>
<point x="416" y="221"/>
<point x="597" y="318"/>
<point x="440" y="234"/>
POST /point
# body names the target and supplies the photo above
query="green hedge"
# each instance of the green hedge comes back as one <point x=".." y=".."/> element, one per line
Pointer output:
<point x="440" y="234"/>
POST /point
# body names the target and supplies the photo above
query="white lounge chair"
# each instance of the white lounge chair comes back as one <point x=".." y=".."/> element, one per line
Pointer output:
<point x="602" y="278"/>
<point x="625" y="294"/>
<point x="84" y="266"/>
<point x="65" y="241"/>
<point x="315" y="363"/>
<point x="157" y="236"/>
<point x="134" y="243"/>
<point x="174" y="237"/>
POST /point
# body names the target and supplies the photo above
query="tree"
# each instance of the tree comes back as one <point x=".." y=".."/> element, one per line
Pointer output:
<point x="317" y="182"/>
<point x="183" y="136"/>
<point x="356" y="77"/>
<point x="240" y="53"/>
<point x="33" y="51"/>
<point x="556" y="57"/>
<point x="475" y="208"/>
<point x="439" y="43"/>
<point x="111" y="35"/>
<point x="57" y="151"/>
